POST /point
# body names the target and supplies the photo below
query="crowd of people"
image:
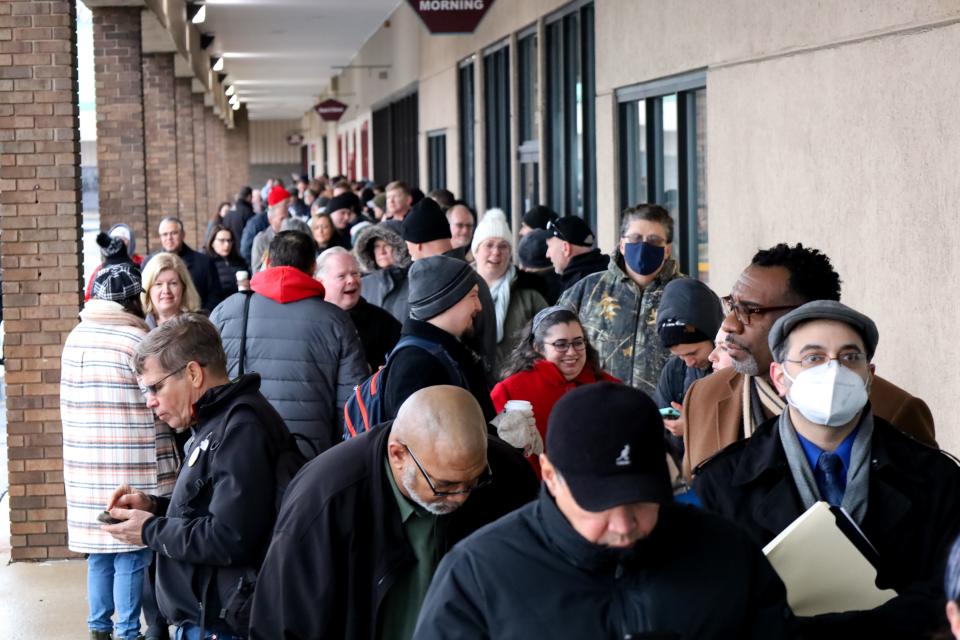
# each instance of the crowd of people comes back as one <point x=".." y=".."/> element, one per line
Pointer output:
<point x="367" y="412"/>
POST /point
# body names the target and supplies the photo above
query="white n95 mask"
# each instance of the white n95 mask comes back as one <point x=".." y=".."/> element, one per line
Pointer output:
<point x="829" y="394"/>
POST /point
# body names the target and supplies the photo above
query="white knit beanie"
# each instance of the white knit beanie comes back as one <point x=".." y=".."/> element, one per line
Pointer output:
<point x="493" y="224"/>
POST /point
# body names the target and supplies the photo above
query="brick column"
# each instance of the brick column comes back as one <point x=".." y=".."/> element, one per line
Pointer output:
<point x="215" y="162"/>
<point x="199" y="170"/>
<point x="40" y="245"/>
<point x="186" y="180"/>
<point x="160" y="136"/>
<point x="120" y="146"/>
<point x="238" y="151"/>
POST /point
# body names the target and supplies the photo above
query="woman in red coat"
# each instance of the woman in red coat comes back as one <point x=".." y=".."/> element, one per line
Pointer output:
<point x="553" y="358"/>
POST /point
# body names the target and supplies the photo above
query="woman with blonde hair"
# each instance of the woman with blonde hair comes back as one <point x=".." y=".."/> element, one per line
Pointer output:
<point x="168" y="289"/>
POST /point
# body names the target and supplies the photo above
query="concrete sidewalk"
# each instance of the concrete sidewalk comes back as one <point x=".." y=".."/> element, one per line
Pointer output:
<point x="40" y="599"/>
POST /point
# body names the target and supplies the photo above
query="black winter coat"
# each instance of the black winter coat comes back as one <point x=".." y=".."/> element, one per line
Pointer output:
<point x="227" y="271"/>
<point x="378" y="331"/>
<point x="339" y="543"/>
<point x="582" y="266"/>
<point x="413" y="369"/>
<point x="531" y="575"/>
<point x="913" y="515"/>
<point x="222" y="508"/>
<point x="237" y="218"/>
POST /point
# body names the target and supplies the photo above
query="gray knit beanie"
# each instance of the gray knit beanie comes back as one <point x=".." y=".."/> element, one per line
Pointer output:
<point x="436" y="284"/>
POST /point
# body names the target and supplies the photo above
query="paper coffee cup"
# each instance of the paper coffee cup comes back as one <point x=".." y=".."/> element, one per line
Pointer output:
<point x="242" y="275"/>
<point x="518" y="405"/>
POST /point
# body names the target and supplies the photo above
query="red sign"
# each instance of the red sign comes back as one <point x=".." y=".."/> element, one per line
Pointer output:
<point x="451" y="16"/>
<point x="331" y="110"/>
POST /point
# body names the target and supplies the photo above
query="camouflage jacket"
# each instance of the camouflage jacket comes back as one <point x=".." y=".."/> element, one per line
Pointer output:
<point x="620" y="320"/>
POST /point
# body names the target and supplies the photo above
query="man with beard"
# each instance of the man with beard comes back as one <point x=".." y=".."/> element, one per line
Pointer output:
<point x="444" y="300"/>
<point x="729" y="405"/>
<point x="363" y="526"/>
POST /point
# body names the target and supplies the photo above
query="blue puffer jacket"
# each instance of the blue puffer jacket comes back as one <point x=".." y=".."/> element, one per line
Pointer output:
<point x="306" y="351"/>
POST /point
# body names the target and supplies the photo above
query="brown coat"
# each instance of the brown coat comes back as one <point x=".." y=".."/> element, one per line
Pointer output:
<point x="712" y="414"/>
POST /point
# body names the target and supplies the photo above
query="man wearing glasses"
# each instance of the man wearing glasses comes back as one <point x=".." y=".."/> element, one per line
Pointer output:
<point x="830" y="446"/>
<point x="212" y="532"/>
<point x="730" y="404"/>
<point x="618" y="306"/>
<point x="364" y="525"/>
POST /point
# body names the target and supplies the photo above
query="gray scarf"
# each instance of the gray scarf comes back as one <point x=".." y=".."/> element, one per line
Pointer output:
<point x="858" y="473"/>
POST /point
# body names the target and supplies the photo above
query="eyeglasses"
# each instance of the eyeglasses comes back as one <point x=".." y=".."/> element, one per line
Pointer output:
<point x="744" y="312"/>
<point x="851" y="360"/>
<point x="482" y="480"/>
<point x="153" y="389"/>
<point x="564" y="345"/>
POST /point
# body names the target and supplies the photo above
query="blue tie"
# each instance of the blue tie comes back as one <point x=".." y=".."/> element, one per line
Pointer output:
<point x="831" y="490"/>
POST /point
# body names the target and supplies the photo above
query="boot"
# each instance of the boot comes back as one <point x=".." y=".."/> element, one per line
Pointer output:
<point x="100" y="635"/>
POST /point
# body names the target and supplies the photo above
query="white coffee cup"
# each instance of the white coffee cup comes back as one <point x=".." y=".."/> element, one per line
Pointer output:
<point x="518" y="405"/>
<point x="243" y="279"/>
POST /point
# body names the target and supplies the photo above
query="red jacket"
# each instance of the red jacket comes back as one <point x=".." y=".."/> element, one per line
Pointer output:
<point x="542" y="386"/>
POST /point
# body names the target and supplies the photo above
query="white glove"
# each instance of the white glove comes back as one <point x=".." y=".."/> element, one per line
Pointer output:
<point x="519" y="429"/>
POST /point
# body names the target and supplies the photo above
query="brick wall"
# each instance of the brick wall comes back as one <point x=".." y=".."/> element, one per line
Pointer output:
<point x="160" y="136"/>
<point x="186" y="180"/>
<point x="238" y="152"/>
<point x="120" y="146"/>
<point x="216" y="159"/>
<point x="199" y="170"/>
<point x="40" y="244"/>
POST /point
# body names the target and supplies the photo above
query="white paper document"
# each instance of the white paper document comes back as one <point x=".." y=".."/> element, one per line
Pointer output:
<point x="822" y="568"/>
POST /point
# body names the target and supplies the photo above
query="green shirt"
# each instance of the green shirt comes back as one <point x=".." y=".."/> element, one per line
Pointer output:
<point x="401" y="604"/>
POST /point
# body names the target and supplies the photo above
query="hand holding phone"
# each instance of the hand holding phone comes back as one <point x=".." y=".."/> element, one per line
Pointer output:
<point x="669" y="413"/>
<point x="106" y="518"/>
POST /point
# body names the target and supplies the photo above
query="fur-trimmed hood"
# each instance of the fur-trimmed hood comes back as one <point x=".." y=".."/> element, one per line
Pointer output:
<point x="363" y="247"/>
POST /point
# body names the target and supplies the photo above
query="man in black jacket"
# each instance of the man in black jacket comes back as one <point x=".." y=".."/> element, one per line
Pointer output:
<point x="571" y="248"/>
<point x="214" y="530"/>
<point x="605" y="552"/>
<point x="364" y="525"/>
<point x="202" y="268"/>
<point x="829" y="446"/>
<point x="444" y="300"/>
<point x="238" y="216"/>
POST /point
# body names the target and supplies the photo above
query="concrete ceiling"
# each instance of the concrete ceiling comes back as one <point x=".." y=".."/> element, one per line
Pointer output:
<point x="279" y="54"/>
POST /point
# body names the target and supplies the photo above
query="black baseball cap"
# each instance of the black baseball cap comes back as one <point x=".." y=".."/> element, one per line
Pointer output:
<point x="606" y="440"/>
<point x="539" y="216"/>
<point x="572" y="229"/>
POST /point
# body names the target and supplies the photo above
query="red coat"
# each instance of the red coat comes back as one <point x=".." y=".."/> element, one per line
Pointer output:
<point x="542" y="386"/>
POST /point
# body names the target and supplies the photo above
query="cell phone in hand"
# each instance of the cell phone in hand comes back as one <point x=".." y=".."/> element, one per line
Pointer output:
<point x="669" y="413"/>
<point x="106" y="518"/>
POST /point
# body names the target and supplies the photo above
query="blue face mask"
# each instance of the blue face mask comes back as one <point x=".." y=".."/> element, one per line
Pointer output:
<point x="643" y="258"/>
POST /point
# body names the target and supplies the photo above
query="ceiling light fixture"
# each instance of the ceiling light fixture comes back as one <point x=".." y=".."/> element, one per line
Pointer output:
<point x="216" y="63"/>
<point x="236" y="106"/>
<point x="206" y="39"/>
<point x="234" y="99"/>
<point x="230" y="91"/>
<point x="196" y="12"/>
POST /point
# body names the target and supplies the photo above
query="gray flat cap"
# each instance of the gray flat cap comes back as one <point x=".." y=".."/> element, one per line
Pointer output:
<point x="825" y="310"/>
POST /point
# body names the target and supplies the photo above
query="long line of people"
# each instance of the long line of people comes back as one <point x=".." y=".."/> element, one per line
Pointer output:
<point x="617" y="380"/>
